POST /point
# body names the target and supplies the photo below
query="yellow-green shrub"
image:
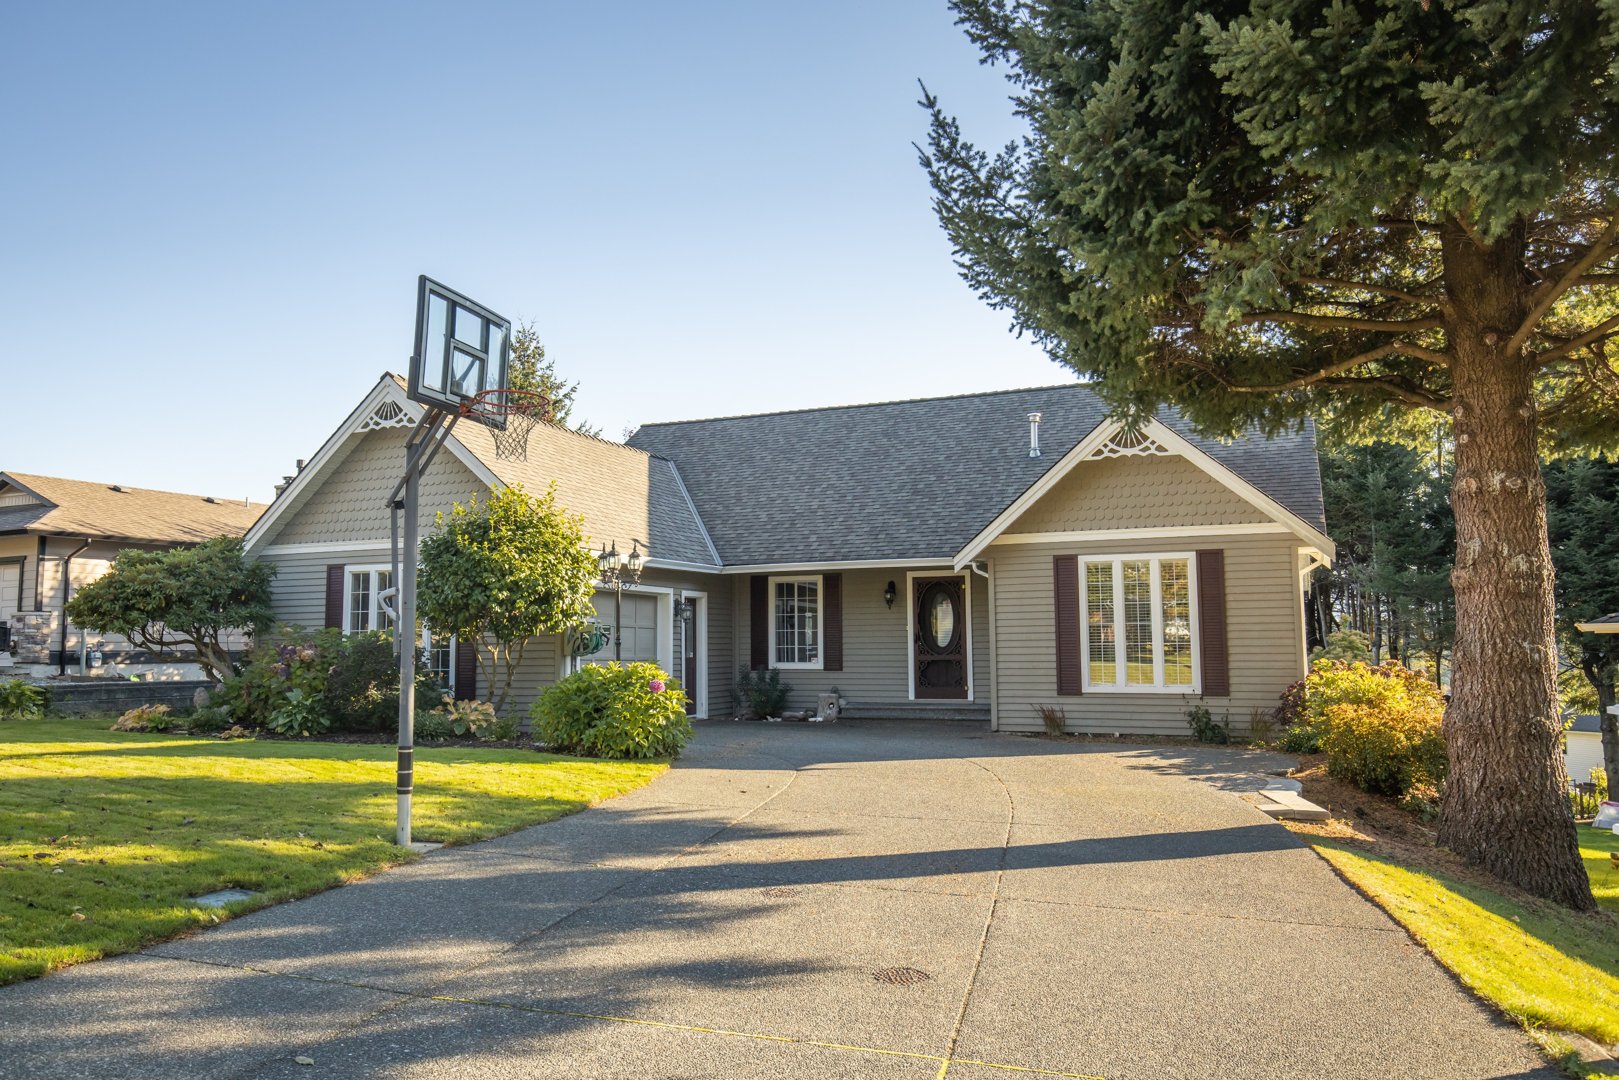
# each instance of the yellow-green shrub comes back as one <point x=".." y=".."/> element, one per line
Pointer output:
<point x="1379" y="726"/>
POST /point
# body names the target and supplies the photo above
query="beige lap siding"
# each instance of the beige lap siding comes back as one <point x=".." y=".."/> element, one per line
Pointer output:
<point x="876" y="640"/>
<point x="1264" y="628"/>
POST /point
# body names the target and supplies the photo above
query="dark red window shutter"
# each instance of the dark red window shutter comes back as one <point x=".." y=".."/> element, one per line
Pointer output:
<point x="1211" y="624"/>
<point x="759" y="622"/>
<point x="466" y="672"/>
<point x="832" y="588"/>
<point x="1065" y="599"/>
<point x="334" y="595"/>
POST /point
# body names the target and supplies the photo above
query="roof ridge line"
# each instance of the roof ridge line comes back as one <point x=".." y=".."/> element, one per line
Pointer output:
<point x="870" y="404"/>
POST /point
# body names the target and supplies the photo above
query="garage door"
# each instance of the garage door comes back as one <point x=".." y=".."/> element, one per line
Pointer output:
<point x="639" y="630"/>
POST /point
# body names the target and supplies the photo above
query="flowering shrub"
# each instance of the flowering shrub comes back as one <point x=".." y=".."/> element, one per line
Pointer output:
<point x="1379" y="726"/>
<point x="615" y="711"/>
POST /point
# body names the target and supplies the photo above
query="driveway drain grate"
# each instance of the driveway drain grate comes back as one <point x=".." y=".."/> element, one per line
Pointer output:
<point x="777" y="892"/>
<point x="901" y="976"/>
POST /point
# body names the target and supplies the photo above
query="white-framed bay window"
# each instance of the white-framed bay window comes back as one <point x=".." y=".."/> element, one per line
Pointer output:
<point x="363" y="608"/>
<point x="796" y="629"/>
<point x="439" y="650"/>
<point x="1139" y="623"/>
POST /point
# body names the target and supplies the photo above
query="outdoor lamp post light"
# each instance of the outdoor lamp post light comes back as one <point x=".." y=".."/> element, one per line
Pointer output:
<point x="616" y="569"/>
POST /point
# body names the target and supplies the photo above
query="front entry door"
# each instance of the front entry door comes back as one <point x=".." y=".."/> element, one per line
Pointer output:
<point x="688" y="648"/>
<point x="939" y="634"/>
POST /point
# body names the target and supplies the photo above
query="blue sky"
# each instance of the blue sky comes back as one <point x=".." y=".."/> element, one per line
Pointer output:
<point x="214" y="215"/>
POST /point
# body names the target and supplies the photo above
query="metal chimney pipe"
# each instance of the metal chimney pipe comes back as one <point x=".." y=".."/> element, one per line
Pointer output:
<point x="1034" y="434"/>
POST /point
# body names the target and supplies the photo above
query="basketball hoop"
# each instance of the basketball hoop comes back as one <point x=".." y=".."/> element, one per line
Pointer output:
<point x="510" y="415"/>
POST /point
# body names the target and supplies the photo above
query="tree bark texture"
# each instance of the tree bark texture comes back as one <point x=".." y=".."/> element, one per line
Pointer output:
<point x="1505" y="805"/>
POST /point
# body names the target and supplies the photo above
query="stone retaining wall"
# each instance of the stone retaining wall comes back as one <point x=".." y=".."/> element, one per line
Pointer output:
<point x="120" y="695"/>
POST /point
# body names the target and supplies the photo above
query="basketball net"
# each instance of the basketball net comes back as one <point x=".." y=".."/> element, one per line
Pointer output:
<point x="510" y="416"/>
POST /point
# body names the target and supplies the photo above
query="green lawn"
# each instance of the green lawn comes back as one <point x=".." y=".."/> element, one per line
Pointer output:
<point x="104" y="836"/>
<point x="1542" y="964"/>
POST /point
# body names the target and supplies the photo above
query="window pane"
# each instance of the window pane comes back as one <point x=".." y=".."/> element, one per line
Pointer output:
<point x="1138" y="622"/>
<point x="1099" y="623"/>
<point x="439" y="660"/>
<point x="359" y="601"/>
<point x="1175" y="580"/>
<point x="797" y="622"/>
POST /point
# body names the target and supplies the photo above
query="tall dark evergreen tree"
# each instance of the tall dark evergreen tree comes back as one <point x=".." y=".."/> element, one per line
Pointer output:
<point x="1390" y="516"/>
<point x="1258" y="210"/>
<point x="1583" y="505"/>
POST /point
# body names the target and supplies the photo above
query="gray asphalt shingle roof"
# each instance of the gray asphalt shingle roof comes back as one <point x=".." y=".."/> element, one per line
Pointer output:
<point x="913" y="479"/>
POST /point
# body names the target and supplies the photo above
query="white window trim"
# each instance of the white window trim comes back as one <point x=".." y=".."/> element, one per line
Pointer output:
<point x="910" y="631"/>
<point x="699" y="631"/>
<point x="1121" y="666"/>
<point x="374" y="619"/>
<point x="819" y="663"/>
<point x="427" y="651"/>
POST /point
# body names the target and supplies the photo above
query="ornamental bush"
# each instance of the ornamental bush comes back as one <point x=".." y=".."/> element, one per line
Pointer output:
<point x="20" y="700"/>
<point x="1379" y="726"/>
<point x="361" y="691"/>
<point x="614" y="711"/>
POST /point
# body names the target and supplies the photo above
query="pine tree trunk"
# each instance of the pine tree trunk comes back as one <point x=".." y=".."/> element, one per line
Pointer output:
<point x="1505" y="803"/>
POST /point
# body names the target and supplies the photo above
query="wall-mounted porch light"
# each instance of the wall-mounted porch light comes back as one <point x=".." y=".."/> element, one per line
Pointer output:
<point x="889" y="594"/>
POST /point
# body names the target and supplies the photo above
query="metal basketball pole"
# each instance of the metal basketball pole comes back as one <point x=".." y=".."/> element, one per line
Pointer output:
<point x="422" y="446"/>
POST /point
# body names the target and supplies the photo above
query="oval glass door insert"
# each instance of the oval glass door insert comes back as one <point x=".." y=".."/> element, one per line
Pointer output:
<point x="940" y="622"/>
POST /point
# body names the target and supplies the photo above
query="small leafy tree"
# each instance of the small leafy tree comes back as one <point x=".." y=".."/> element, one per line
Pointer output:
<point x="502" y="572"/>
<point x="182" y="599"/>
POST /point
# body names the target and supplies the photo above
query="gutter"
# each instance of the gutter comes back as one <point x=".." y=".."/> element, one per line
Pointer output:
<point x="67" y="592"/>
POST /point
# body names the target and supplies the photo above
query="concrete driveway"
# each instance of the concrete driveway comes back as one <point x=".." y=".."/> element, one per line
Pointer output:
<point x="874" y="900"/>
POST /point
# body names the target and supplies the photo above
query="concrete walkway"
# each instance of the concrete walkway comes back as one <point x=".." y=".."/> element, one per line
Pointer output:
<point x="860" y="900"/>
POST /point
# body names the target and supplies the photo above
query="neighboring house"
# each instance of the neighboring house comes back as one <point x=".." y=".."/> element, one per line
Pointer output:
<point x="1582" y="747"/>
<point x="57" y="535"/>
<point x="917" y="557"/>
<point x="1607" y="624"/>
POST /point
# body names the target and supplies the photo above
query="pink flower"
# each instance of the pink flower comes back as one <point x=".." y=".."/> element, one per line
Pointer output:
<point x="656" y="686"/>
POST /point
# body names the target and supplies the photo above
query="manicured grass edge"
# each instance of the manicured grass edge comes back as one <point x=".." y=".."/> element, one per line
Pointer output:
<point x="1557" y="1046"/>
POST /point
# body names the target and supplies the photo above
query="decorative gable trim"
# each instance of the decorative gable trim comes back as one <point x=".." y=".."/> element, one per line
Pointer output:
<point x="376" y="412"/>
<point x="388" y="414"/>
<point x="1108" y="439"/>
<point x="1122" y="443"/>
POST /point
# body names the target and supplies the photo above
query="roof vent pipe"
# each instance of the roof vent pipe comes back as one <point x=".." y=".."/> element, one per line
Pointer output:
<point x="1034" y="434"/>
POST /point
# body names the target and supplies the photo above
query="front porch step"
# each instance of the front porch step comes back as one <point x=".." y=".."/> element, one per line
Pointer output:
<point x="917" y="710"/>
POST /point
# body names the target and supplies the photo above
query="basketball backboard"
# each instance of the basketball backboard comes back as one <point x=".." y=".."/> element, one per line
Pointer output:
<point x="462" y="349"/>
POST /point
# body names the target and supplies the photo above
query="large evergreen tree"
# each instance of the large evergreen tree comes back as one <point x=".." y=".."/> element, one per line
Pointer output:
<point x="1257" y="210"/>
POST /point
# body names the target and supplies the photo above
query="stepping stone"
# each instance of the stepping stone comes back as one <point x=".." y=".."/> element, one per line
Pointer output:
<point x="222" y="897"/>
<point x="1280" y="803"/>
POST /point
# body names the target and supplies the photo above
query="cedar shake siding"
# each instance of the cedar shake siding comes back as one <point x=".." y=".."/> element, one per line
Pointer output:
<point x="1136" y="493"/>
